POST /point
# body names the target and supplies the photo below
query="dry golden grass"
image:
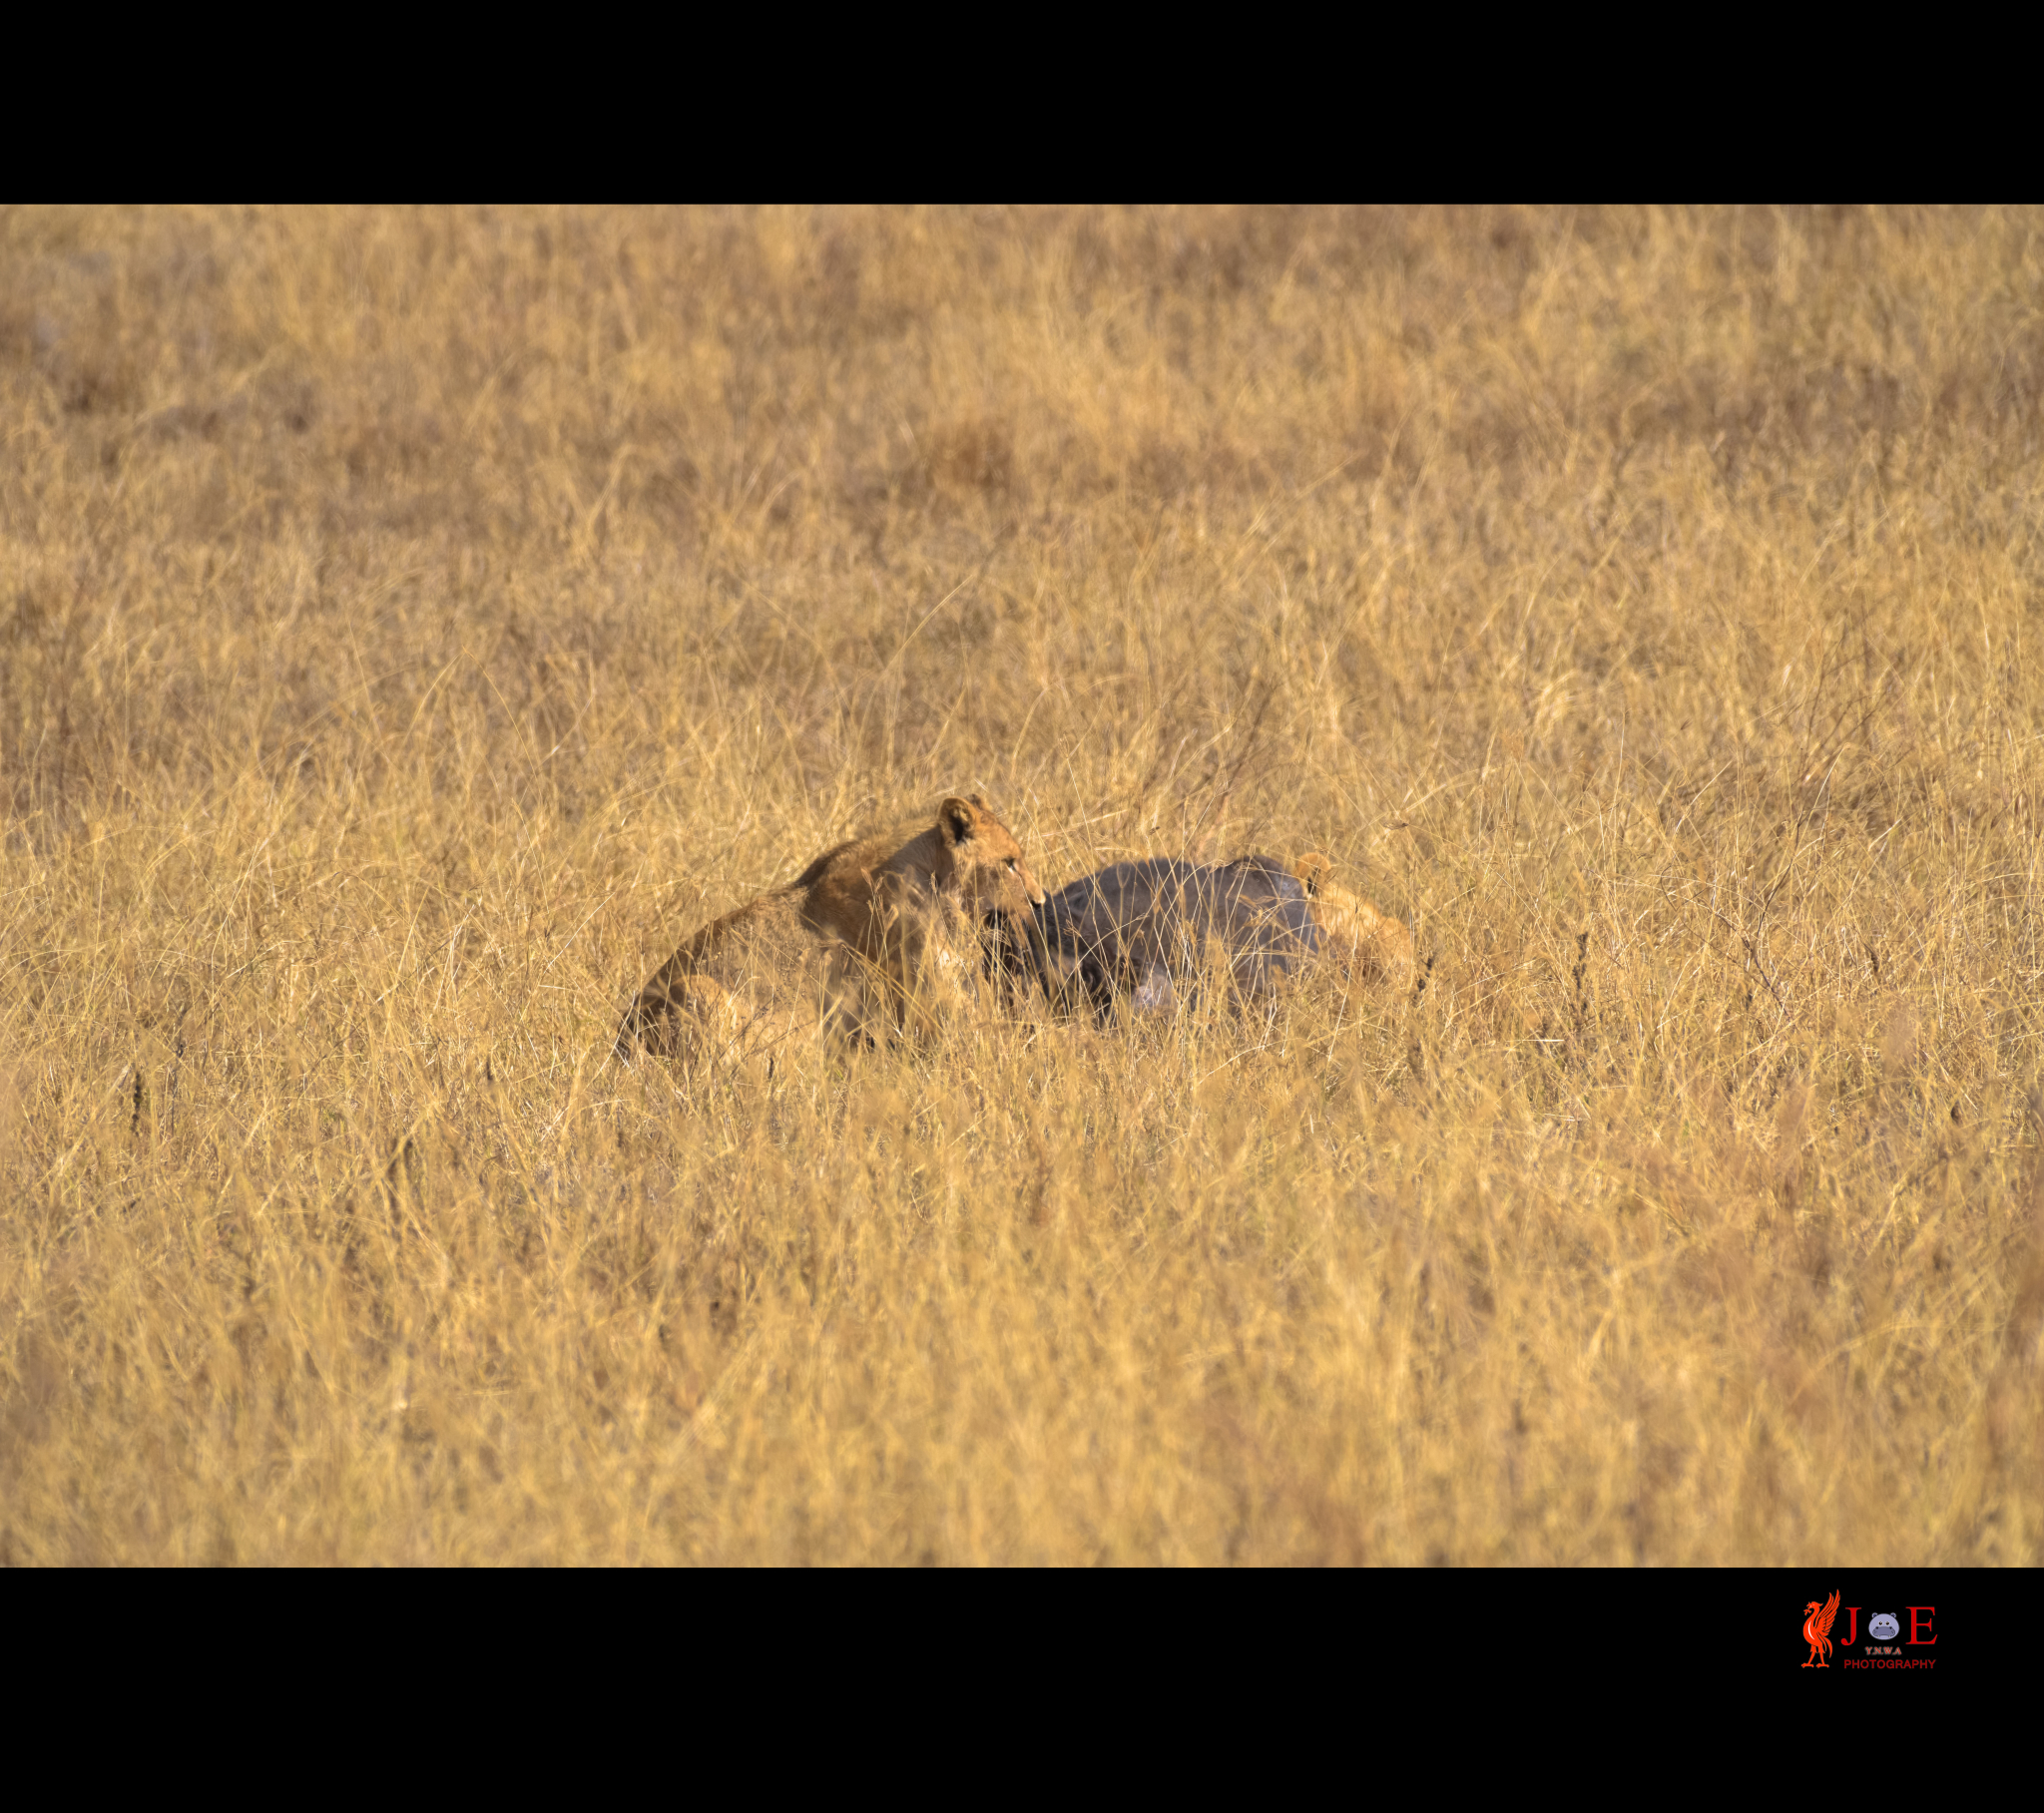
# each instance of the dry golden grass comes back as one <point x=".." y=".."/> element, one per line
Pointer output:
<point x="411" y="625"/>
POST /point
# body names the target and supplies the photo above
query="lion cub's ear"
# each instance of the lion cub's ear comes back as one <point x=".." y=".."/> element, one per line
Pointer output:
<point x="1312" y="869"/>
<point x="959" y="818"/>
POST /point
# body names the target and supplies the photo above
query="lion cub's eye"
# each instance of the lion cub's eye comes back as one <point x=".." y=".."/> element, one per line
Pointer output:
<point x="1011" y="862"/>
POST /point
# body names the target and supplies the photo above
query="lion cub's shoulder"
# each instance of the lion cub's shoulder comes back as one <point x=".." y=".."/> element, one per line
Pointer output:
<point x="891" y="869"/>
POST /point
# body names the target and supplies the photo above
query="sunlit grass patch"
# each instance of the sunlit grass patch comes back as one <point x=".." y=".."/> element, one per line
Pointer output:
<point x="413" y="624"/>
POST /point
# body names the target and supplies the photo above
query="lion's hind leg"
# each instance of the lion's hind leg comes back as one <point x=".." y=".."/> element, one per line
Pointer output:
<point x="686" y="1014"/>
<point x="709" y="997"/>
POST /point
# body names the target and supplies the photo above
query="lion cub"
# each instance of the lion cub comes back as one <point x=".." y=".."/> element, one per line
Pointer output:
<point x="862" y="941"/>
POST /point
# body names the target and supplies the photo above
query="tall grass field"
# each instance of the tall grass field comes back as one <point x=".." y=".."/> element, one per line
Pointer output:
<point x="413" y="624"/>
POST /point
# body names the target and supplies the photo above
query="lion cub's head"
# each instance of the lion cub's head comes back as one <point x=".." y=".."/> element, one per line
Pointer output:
<point x="984" y="869"/>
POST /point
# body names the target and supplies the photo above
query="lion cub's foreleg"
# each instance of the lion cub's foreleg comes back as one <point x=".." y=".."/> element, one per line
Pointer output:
<point x="906" y="975"/>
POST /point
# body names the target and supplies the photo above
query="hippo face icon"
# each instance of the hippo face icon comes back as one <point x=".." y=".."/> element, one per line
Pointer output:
<point x="1882" y="1626"/>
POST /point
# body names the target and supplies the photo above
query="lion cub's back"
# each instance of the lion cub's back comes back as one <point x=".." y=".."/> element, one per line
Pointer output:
<point x="772" y="956"/>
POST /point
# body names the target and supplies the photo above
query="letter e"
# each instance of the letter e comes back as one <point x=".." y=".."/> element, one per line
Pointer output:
<point x="1913" y="1625"/>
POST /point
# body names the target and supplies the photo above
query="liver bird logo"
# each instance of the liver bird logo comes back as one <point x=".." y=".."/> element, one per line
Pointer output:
<point x="1817" y="1631"/>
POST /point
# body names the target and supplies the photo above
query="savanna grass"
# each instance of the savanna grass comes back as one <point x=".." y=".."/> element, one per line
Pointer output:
<point x="412" y="624"/>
